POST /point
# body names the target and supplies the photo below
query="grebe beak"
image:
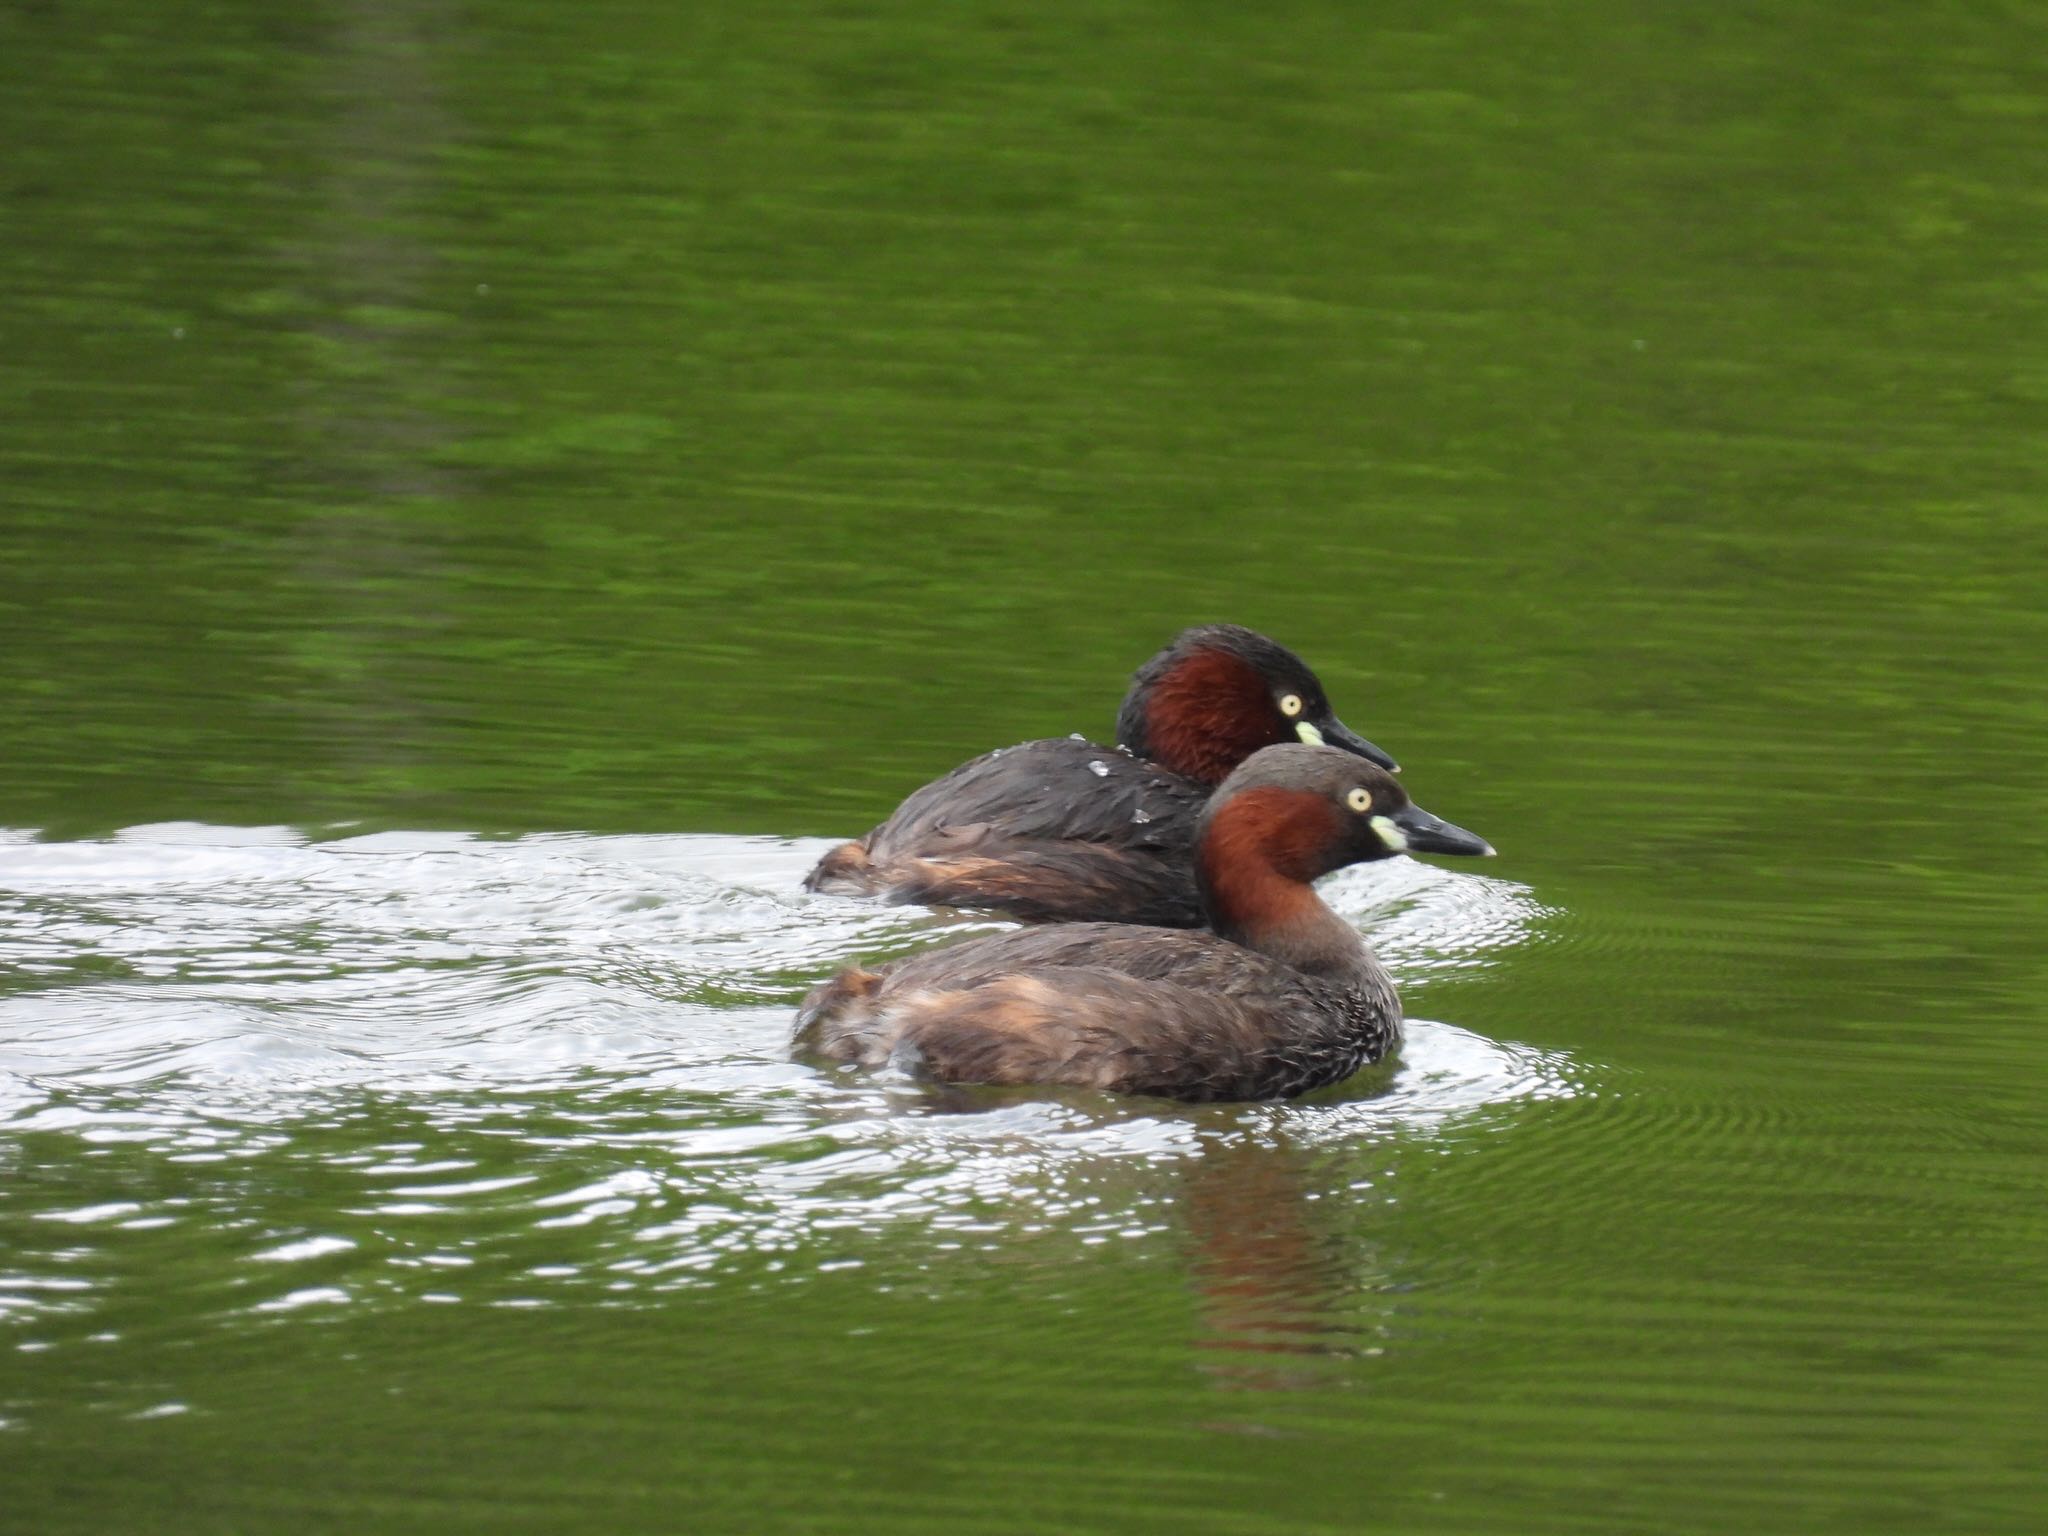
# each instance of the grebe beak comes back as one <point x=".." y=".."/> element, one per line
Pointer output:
<point x="1333" y="732"/>
<point x="1413" y="830"/>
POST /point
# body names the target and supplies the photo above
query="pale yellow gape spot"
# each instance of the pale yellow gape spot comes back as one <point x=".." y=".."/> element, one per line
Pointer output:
<point x="1390" y="833"/>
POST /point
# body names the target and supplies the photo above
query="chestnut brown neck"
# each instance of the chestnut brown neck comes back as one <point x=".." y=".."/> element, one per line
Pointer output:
<point x="1207" y="715"/>
<point x="1258" y="856"/>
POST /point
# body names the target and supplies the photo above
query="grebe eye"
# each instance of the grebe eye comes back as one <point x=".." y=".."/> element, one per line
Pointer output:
<point x="1360" y="800"/>
<point x="1290" y="706"/>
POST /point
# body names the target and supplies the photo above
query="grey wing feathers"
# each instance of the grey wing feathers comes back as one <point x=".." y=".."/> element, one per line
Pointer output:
<point x="1048" y="831"/>
<point x="1061" y="790"/>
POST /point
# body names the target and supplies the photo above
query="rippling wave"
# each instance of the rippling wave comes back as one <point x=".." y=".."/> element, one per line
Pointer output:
<point x="564" y="1032"/>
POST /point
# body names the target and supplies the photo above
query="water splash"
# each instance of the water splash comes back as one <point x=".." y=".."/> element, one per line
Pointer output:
<point x="476" y="1048"/>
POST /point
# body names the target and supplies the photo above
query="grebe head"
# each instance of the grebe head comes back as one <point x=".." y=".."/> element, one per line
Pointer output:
<point x="1220" y="692"/>
<point x="1289" y="815"/>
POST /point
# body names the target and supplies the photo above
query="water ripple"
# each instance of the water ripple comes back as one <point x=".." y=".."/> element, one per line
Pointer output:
<point x="245" y="954"/>
<point x="469" y="1050"/>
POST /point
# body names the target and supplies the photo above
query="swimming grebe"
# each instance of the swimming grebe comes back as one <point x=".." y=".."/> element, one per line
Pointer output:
<point x="1069" y="831"/>
<point x="1282" y="997"/>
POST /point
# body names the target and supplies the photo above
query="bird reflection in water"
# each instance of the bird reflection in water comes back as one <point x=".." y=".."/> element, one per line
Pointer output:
<point x="1286" y="1298"/>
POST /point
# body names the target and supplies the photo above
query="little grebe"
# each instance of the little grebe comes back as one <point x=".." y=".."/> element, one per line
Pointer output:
<point x="1284" y="996"/>
<point x="1069" y="831"/>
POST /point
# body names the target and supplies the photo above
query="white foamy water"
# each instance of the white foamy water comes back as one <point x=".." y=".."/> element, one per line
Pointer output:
<point x="566" y="1033"/>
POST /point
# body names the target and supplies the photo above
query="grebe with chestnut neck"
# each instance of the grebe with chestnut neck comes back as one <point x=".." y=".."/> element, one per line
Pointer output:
<point x="1072" y="831"/>
<point x="1281" y="997"/>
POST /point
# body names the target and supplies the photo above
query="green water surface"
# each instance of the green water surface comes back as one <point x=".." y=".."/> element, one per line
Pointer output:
<point x="641" y="419"/>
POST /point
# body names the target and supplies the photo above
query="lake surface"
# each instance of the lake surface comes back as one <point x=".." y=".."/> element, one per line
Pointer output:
<point x="485" y="493"/>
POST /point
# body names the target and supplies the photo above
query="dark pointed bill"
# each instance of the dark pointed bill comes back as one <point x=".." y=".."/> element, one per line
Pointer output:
<point x="1419" y="832"/>
<point x="1333" y="732"/>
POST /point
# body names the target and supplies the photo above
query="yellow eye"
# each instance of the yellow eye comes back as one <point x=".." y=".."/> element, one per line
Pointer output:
<point x="1291" y="705"/>
<point x="1360" y="800"/>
